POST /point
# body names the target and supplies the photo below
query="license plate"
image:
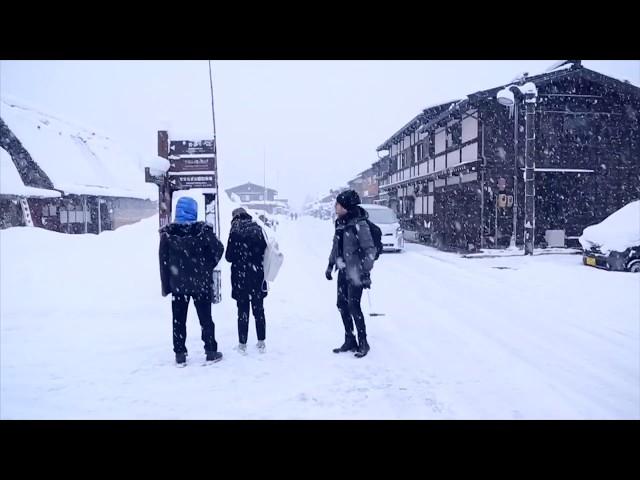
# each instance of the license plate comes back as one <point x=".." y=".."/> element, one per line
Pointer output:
<point x="591" y="261"/>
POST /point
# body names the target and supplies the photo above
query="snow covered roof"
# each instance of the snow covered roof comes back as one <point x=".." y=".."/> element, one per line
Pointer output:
<point x="12" y="184"/>
<point x="77" y="160"/>
<point x="617" y="232"/>
<point x="415" y="122"/>
<point x="249" y="188"/>
<point x="561" y="65"/>
<point x="564" y="71"/>
<point x="538" y="80"/>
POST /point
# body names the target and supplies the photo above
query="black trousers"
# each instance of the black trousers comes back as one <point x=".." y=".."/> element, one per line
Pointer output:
<point x="349" y="297"/>
<point x="257" y="305"/>
<point x="180" y="306"/>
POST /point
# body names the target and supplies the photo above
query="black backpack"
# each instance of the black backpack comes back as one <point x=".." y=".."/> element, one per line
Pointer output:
<point x="376" y="234"/>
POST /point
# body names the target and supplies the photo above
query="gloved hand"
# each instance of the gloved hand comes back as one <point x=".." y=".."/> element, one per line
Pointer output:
<point x="365" y="280"/>
<point x="327" y="273"/>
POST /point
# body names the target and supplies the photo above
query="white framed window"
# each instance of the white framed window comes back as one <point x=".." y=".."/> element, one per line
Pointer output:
<point x="50" y="211"/>
<point x="74" y="216"/>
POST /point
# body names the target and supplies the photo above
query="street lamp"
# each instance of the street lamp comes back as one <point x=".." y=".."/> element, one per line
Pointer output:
<point x="507" y="97"/>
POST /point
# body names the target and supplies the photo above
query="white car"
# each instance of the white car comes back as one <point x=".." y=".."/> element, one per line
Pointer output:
<point x="386" y="219"/>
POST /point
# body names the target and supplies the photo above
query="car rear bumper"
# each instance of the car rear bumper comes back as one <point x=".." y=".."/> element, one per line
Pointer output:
<point x="605" y="262"/>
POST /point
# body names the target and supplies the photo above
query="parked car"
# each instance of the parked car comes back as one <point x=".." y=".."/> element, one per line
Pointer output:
<point x="387" y="220"/>
<point x="614" y="243"/>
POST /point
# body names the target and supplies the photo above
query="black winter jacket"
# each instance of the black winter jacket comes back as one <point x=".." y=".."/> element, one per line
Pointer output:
<point x="353" y="248"/>
<point x="188" y="254"/>
<point x="245" y="252"/>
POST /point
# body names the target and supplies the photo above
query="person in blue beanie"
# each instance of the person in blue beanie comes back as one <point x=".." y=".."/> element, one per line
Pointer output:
<point x="189" y="251"/>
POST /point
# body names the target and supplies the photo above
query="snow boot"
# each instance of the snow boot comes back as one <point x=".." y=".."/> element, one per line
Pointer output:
<point x="214" y="356"/>
<point x="363" y="348"/>
<point x="181" y="359"/>
<point x="262" y="348"/>
<point x="242" y="348"/>
<point x="349" y="345"/>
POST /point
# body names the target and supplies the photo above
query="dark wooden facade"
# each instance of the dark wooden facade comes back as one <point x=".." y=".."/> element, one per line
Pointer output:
<point x="448" y="179"/>
<point x="67" y="214"/>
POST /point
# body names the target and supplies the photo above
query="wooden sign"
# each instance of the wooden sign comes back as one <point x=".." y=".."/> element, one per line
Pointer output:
<point x="192" y="164"/>
<point x="186" y="181"/>
<point x="192" y="147"/>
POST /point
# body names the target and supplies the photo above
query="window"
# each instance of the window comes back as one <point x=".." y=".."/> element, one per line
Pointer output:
<point x="74" y="215"/>
<point x="456" y="131"/>
<point x="421" y="151"/>
<point x="49" y="211"/>
<point x="550" y="126"/>
<point x="575" y="124"/>
<point x="578" y="128"/>
<point x="454" y="134"/>
<point x="431" y="139"/>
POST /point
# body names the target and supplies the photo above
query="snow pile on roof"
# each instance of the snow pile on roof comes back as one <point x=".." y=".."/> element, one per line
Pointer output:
<point x="561" y="65"/>
<point x="439" y="104"/>
<point x="77" y="160"/>
<point x="12" y="184"/>
<point x="617" y="232"/>
<point x="157" y="165"/>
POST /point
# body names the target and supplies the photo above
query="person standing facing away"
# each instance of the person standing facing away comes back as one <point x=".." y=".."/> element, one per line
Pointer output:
<point x="189" y="251"/>
<point x="245" y="252"/>
<point x="353" y="253"/>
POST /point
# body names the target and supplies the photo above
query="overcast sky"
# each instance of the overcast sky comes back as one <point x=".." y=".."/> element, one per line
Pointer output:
<point x="319" y="122"/>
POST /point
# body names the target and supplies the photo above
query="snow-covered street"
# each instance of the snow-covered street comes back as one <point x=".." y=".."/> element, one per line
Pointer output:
<point x="86" y="334"/>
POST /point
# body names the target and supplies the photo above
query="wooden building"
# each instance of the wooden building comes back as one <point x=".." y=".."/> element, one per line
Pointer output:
<point x="456" y="170"/>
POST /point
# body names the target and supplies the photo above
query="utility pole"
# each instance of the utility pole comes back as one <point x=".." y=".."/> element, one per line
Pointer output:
<point x="515" y="175"/>
<point x="529" y="182"/>
<point x="507" y="98"/>
<point x="264" y="178"/>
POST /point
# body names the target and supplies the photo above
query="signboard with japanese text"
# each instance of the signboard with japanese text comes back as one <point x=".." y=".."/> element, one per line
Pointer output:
<point x="186" y="181"/>
<point x="192" y="164"/>
<point x="192" y="147"/>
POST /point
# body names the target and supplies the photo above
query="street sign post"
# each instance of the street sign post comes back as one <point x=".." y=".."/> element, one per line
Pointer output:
<point x="192" y="165"/>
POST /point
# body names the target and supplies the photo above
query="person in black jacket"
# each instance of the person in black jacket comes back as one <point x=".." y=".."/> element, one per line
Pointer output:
<point x="189" y="251"/>
<point x="245" y="252"/>
<point x="353" y="253"/>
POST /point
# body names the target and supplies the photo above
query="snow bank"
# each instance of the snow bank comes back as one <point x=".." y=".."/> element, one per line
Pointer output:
<point x="617" y="232"/>
<point x="85" y="334"/>
<point x="76" y="159"/>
